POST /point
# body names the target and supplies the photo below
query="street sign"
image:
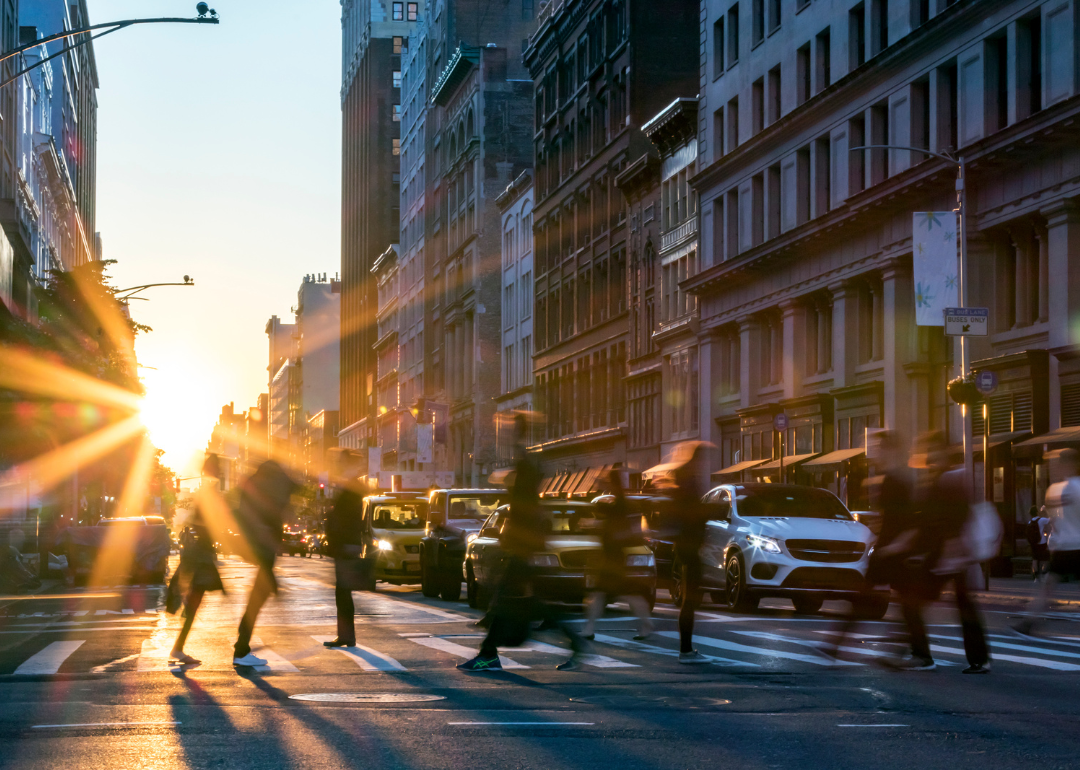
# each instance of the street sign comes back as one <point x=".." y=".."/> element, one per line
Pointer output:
<point x="779" y="422"/>
<point x="986" y="382"/>
<point x="967" y="321"/>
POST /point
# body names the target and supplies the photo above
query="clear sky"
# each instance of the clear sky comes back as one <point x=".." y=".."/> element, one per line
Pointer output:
<point x="218" y="157"/>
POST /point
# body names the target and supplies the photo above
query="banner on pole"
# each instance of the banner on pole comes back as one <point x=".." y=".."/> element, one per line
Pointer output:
<point x="935" y="260"/>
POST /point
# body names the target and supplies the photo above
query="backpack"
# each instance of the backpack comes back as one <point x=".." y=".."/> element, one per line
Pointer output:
<point x="1033" y="532"/>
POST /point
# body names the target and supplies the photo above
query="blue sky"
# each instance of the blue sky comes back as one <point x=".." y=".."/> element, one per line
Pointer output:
<point x="218" y="157"/>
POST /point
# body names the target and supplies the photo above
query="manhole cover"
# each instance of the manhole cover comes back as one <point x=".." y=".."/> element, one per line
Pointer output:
<point x="637" y="702"/>
<point x="367" y="697"/>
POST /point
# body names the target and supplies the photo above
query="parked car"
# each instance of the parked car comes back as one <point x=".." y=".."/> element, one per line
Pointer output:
<point x="784" y="540"/>
<point x="572" y="546"/>
<point x="393" y="526"/>
<point x="124" y="548"/>
<point x="453" y="515"/>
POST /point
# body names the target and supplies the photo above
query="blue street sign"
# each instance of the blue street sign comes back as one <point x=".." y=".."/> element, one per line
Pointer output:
<point x="779" y="422"/>
<point x="986" y="382"/>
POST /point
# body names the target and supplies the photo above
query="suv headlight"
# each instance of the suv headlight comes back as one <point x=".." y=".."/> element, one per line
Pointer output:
<point x="641" y="560"/>
<point x="385" y="545"/>
<point x="767" y="544"/>
<point x="544" y="560"/>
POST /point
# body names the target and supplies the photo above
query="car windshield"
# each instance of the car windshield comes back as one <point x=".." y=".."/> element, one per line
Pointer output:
<point x="476" y="507"/>
<point x="790" y="503"/>
<point x="397" y="516"/>
<point x="570" y="521"/>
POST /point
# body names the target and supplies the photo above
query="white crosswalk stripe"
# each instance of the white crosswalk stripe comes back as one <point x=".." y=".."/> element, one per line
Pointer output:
<point x="994" y="655"/>
<point x="458" y="650"/>
<point x="49" y="660"/>
<point x="723" y="644"/>
<point x="274" y="662"/>
<point x="365" y="657"/>
<point x="630" y="644"/>
<point x="597" y="661"/>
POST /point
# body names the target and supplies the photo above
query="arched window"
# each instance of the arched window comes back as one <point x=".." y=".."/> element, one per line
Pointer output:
<point x="470" y="130"/>
<point x="461" y="138"/>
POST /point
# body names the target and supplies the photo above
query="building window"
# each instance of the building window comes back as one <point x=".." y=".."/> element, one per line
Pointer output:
<point x="399" y="12"/>
<point x="733" y="35"/>
<point x="730" y="362"/>
<point x="774" y="15"/>
<point x="871" y="320"/>
<point x="397" y="146"/>
<point x="823" y="60"/>
<point x="399" y="45"/>
<point x="857" y="36"/>
<point x="719" y="62"/>
<point x="818" y="335"/>
<point x="526" y="295"/>
<point x="773" y="111"/>
<point x="682" y="393"/>
<point x="413" y="11"/>
<point x="397" y="112"/>
<point x="802" y="74"/>
<point x="397" y="79"/>
<point x="527" y="9"/>
<point x="772" y="350"/>
<point x="758" y="20"/>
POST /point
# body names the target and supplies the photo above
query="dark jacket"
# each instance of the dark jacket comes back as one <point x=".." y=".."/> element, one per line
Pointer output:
<point x="264" y="499"/>
<point x="690" y="512"/>
<point x="345" y="523"/>
<point x="525" y="530"/>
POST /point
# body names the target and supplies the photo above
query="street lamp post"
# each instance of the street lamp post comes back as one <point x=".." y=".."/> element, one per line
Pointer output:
<point x="131" y="291"/>
<point x="206" y="15"/>
<point x="961" y="201"/>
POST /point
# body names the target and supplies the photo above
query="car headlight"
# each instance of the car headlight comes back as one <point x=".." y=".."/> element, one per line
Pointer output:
<point x="544" y="560"/>
<point x="767" y="544"/>
<point x="641" y="560"/>
<point x="471" y="537"/>
<point x="385" y="545"/>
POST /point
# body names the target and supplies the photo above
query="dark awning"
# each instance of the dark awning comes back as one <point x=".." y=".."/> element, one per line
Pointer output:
<point x="734" y="470"/>
<point x="789" y="462"/>
<point x="833" y="460"/>
<point x="1055" y="439"/>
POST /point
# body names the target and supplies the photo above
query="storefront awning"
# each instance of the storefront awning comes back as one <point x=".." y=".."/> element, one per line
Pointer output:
<point x="998" y="439"/>
<point x="1055" y="439"/>
<point x="789" y="462"/>
<point x="575" y="481"/>
<point x="833" y="460"/>
<point x="734" y="470"/>
<point x="590" y="483"/>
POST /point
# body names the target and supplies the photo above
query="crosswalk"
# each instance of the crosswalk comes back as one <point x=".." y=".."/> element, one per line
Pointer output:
<point x="295" y="650"/>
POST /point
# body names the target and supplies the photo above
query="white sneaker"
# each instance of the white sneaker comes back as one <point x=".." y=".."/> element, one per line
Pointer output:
<point x="692" y="658"/>
<point x="249" y="660"/>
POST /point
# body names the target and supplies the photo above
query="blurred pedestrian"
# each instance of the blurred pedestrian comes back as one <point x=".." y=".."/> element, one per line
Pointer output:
<point x="197" y="571"/>
<point x="515" y="605"/>
<point x="345" y="541"/>
<point x="1063" y="544"/>
<point x="892" y="490"/>
<point x="1037" y="534"/>
<point x="620" y="530"/>
<point x="944" y="508"/>
<point x="688" y="479"/>
<point x="264" y="498"/>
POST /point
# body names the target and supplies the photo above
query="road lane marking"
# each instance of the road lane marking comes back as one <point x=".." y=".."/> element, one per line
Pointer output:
<point x="814" y="644"/>
<point x="49" y="660"/>
<point x="873" y="725"/>
<point x="1054" y="664"/>
<point x="460" y="651"/>
<point x="531" y="724"/>
<point x="596" y="661"/>
<point x="102" y="724"/>
<point x="365" y="657"/>
<point x="274" y="662"/>
<point x="630" y="644"/>
<point x="723" y="644"/>
<point x="105" y="667"/>
<point x="1020" y="647"/>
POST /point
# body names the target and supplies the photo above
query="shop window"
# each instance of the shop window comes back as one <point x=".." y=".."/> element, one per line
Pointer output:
<point x="1070" y="405"/>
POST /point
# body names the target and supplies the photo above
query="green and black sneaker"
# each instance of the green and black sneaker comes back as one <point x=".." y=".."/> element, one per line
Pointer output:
<point x="481" y="663"/>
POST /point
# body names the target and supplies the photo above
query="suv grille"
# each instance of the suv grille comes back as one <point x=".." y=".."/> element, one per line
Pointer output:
<point x="825" y="579"/>
<point x="830" y="551"/>
<point x="578" y="559"/>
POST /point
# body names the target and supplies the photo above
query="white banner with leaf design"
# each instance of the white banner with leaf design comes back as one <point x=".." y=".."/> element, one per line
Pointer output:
<point x="936" y="261"/>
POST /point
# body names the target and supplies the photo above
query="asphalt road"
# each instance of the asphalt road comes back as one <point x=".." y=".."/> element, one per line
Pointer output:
<point x="84" y="682"/>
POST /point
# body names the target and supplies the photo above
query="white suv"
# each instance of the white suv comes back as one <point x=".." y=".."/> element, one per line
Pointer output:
<point x="784" y="540"/>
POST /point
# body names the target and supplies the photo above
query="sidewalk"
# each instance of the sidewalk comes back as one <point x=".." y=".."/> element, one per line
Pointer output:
<point x="1023" y="588"/>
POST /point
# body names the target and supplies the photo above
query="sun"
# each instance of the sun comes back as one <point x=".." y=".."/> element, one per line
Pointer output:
<point x="178" y="415"/>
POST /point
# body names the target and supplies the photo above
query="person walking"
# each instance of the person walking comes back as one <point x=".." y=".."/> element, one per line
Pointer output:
<point x="1037" y="534"/>
<point x="524" y="534"/>
<point x="264" y="499"/>
<point x="944" y="506"/>
<point x="692" y="515"/>
<point x="896" y="537"/>
<point x="619" y="531"/>
<point x="197" y="571"/>
<point x="1063" y="543"/>
<point x="345" y="540"/>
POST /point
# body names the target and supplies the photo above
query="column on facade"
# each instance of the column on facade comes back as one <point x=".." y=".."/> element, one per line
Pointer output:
<point x="877" y="338"/>
<point x="1063" y="293"/>
<point x="1043" y="245"/>
<point x="749" y="366"/>
<point x="710" y="377"/>
<point x="898" y="305"/>
<point x="793" y="315"/>
<point x="845" y="341"/>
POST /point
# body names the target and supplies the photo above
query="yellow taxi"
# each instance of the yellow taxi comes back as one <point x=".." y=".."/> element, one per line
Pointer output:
<point x="393" y="526"/>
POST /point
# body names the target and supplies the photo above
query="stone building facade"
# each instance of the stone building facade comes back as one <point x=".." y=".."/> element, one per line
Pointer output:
<point x="601" y="70"/>
<point x="805" y="283"/>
